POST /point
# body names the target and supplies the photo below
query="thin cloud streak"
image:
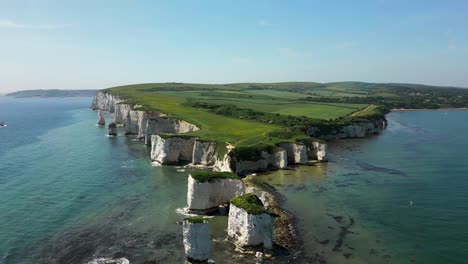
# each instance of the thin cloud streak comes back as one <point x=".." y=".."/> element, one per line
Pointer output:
<point x="4" y="23"/>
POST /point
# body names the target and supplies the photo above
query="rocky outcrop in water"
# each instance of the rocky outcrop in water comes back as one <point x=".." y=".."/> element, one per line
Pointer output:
<point x="112" y="129"/>
<point x="101" y="121"/>
<point x="249" y="225"/>
<point x="109" y="261"/>
<point x="172" y="149"/>
<point x="296" y="152"/>
<point x="204" y="195"/>
<point x="197" y="240"/>
<point x="319" y="151"/>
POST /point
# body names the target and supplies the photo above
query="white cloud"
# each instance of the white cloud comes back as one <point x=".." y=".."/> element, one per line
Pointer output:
<point x="289" y="52"/>
<point x="4" y="23"/>
<point x="264" y="23"/>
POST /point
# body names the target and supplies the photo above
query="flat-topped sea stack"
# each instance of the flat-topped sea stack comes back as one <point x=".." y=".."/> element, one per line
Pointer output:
<point x="249" y="223"/>
<point x="196" y="233"/>
<point x="207" y="189"/>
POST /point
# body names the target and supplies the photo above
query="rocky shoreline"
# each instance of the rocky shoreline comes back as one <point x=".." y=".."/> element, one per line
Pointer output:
<point x="169" y="145"/>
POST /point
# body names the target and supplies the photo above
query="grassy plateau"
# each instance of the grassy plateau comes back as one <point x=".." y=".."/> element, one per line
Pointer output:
<point x="265" y="114"/>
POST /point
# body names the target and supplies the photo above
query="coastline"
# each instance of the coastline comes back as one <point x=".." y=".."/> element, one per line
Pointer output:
<point x="422" y="109"/>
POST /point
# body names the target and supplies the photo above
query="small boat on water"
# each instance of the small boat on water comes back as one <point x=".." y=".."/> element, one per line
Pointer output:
<point x="2" y="124"/>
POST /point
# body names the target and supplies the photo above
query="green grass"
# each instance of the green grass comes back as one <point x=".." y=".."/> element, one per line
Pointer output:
<point x="195" y="219"/>
<point x="250" y="203"/>
<point x="283" y="107"/>
<point x="320" y="111"/>
<point x="210" y="176"/>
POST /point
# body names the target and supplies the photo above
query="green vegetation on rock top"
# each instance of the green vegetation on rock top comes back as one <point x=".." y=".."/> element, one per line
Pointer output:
<point x="195" y="219"/>
<point x="250" y="203"/>
<point x="209" y="176"/>
<point x="262" y="115"/>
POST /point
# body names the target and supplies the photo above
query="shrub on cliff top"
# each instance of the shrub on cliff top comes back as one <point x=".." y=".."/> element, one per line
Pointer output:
<point x="250" y="203"/>
<point x="209" y="176"/>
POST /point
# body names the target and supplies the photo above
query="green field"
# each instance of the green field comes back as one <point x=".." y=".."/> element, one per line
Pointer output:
<point x="254" y="114"/>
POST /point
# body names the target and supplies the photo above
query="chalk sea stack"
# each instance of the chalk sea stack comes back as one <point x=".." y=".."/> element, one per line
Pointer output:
<point x="208" y="189"/>
<point x="112" y="129"/>
<point x="101" y="120"/>
<point x="196" y="232"/>
<point x="249" y="223"/>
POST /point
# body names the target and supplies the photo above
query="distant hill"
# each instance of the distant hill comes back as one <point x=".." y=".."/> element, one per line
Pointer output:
<point x="52" y="93"/>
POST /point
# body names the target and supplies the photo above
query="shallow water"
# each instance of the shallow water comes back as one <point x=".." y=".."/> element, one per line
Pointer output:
<point x="69" y="193"/>
<point x="399" y="197"/>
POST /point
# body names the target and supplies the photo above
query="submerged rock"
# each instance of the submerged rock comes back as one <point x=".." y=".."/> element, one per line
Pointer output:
<point x="112" y="129"/>
<point x="197" y="240"/>
<point x="109" y="261"/>
<point x="205" y="193"/>
<point x="101" y="121"/>
<point x="249" y="224"/>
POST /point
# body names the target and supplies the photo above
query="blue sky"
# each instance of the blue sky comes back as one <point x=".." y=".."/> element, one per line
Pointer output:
<point x="97" y="44"/>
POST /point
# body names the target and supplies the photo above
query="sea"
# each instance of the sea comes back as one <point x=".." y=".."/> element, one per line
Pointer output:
<point x="69" y="193"/>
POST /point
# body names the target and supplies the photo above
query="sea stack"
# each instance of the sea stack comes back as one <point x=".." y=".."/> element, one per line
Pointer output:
<point x="112" y="129"/>
<point x="101" y="120"/>
<point x="208" y="189"/>
<point x="196" y="234"/>
<point x="249" y="224"/>
<point x="320" y="150"/>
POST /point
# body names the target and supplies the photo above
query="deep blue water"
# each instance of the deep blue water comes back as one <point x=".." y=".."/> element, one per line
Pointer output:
<point x="69" y="193"/>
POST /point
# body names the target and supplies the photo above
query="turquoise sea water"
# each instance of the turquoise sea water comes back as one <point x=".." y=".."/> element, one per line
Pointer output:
<point x="69" y="193"/>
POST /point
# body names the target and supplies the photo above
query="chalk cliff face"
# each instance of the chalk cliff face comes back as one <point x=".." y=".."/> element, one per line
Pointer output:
<point x="210" y="194"/>
<point x="223" y="164"/>
<point x="160" y="124"/>
<point x="246" y="229"/>
<point x="196" y="240"/>
<point x="204" y="153"/>
<point x="319" y="151"/>
<point x="171" y="150"/>
<point x="137" y="122"/>
<point x="357" y="130"/>
<point x="266" y="161"/>
<point x="297" y="153"/>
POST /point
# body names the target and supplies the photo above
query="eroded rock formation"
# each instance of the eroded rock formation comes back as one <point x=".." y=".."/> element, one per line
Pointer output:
<point x="171" y="150"/>
<point x="101" y="121"/>
<point x="112" y="129"/>
<point x="248" y="225"/>
<point x="203" y="195"/>
<point x="196" y="240"/>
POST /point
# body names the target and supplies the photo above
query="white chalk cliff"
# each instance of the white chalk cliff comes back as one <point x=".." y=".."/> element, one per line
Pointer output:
<point x="171" y="150"/>
<point x="101" y="121"/>
<point x="145" y="125"/>
<point x="356" y="130"/>
<point x="196" y="240"/>
<point x="246" y="229"/>
<point x="210" y="194"/>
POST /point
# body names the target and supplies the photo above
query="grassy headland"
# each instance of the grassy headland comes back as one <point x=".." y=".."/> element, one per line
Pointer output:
<point x="261" y="115"/>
